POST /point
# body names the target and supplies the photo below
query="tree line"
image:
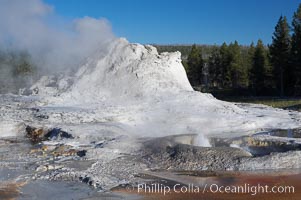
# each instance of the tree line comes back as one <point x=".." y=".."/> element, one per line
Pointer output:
<point x="259" y="69"/>
<point x="16" y="71"/>
<point x="256" y="69"/>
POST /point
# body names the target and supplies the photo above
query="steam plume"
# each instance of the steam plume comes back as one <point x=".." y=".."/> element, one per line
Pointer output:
<point x="53" y="42"/>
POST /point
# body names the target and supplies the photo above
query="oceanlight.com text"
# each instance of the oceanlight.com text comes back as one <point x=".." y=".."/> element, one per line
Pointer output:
<point x="159" y="188"/>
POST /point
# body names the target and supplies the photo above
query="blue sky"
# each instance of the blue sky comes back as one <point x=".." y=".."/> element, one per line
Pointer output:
<point x="184" y="21"/>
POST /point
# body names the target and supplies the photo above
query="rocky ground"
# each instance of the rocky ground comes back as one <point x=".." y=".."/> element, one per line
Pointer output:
<point x="51" y="153"/>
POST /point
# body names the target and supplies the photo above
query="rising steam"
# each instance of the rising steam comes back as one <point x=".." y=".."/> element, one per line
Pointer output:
<point x="53" y="42"/>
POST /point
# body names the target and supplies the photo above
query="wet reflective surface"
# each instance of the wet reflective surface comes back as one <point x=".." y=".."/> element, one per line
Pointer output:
<point x="235" y="179"/>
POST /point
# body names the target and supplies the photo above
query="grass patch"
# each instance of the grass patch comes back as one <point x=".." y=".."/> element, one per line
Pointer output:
<point x="284" y="103"/>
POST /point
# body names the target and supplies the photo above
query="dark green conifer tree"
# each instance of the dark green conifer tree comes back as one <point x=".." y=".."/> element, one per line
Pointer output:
<point x="296" y="51"/>
<point x="195" y="64"/>
<point x="280" y="54"/>
<point x="239" y="72"/>
<point x="258" y="70"/>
